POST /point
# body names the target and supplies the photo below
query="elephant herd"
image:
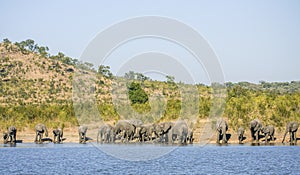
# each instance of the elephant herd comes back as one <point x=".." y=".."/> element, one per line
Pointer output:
<point x="256" y="128"/>
<point x="125" y="131"/>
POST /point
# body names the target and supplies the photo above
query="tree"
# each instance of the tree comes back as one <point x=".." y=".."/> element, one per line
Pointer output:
<point x="141" y="77"/>
<point x="104" y="71"/>
<point x="170" y="79"/>
<point x="130" y="75"/>
<point x="136" y="94"/>
<point x="43" y="51"/>
<point x="7" y="44"/>
<point x="29" y="43"/>
<point x="135" y="76"/>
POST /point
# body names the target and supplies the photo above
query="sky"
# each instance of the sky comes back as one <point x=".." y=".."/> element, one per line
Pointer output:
<point x="253" y="40"/>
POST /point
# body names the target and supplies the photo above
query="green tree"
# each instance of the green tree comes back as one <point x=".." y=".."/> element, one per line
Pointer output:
<point x="104" y="71"/>
<point x="170" y="79"/>
<point x="136" y="94"/>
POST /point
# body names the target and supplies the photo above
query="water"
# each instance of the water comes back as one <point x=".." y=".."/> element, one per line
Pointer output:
<point x="87" y="159"/>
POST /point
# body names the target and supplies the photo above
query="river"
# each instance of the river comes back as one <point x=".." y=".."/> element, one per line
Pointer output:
<point x="74" y="158"/>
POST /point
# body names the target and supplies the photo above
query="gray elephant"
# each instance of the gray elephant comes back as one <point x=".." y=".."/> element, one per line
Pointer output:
<point x="145" y="132"/>
<point x="240" y="134"/>
<point x="40" y="129"/>
<point x="82" y="133"/>
<point x="292" y="128"/>
<point x="10" y="135"/>
<point x="179" y="132"/>
<point x="57" y="135"/>
<point x="222" y="128"/>
<point x="105" y="134"/>
<point x="268" y="131"/>
<point x="126" y="129"/>
<point x="255" y="127"/>
<point x="162" y="130"/>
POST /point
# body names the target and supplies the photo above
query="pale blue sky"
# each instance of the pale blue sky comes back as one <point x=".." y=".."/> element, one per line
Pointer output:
<point x="254" y="40"/>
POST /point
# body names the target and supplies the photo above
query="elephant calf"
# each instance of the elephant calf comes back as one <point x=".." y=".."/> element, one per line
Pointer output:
<point x="240" y="133"/>
<point x="292" y="128"/>
<point x="10" y="135"/>
<point x="58" y="134"/>
<point x="268" y="131"/>
<point x="82" y="134"/>
<point x="40" y="129"/>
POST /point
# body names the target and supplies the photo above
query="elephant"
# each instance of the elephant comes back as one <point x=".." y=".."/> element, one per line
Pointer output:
<point x="268" y="131"/>
<point x="145" y="132"/>
<point x="179" y="132"/>
<point x="40" y="129"/>
<point x="57" y="134"/>
<point x="10" y="135"/>
<point x="82" y="133"/>
<point x="255" y="127"/>
<point x="162" y="130"/>
<point x="126" y="129"/>
<point x="240" y="134"/>
<point x="222" y="127"/>
<point x="292" y="128"/>
<point x="105" y="134"/>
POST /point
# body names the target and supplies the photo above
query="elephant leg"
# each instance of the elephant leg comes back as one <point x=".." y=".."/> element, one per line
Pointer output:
<point x="241" y="138"/>
<point x="39" y="138"/>
<point x="218" y="137"/>
<point x="100" y="139"/>
<point x="169" y="136"/>
<point x="84" y="138"/>
<point x="14" y="138"/>
<point x="295" y="137"/>
<point x="224" y="140"/>
<point x="36" y="137"/>
<point x="291" y="137"/>
<point x="252" y="135"/>
<point x="257" y="136"/>
<point x="54" y="139"/>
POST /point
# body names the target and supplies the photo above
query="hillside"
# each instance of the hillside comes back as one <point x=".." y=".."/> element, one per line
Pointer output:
<point x="37" y="87"/>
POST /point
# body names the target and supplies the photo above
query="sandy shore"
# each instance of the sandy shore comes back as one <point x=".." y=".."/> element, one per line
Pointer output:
<point x="71" y="136"/>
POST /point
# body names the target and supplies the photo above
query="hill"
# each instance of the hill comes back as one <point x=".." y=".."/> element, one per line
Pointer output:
<point x="38" y="87"/>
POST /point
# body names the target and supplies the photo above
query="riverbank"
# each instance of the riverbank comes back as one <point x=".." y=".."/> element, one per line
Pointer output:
<point x="27" y="135"/>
